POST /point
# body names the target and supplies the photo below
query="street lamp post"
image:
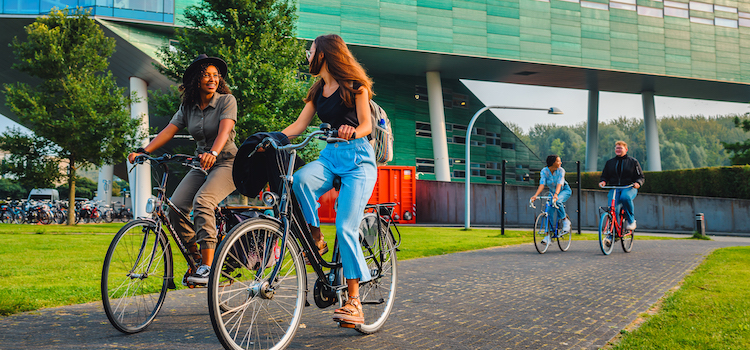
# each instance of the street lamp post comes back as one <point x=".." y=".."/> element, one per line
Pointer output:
<point x="467" y="197"/>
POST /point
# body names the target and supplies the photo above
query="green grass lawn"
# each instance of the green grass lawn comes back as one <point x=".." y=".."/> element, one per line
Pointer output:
<point x="711" y="310"/>
<point x="63" y="265"/>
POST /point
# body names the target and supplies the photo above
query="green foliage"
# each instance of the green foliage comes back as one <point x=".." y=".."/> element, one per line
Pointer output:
<point x="85" y="188"/>
<point x="739" y="151"/>
<point x="77" y="104"/>
<point x="12" y="189"/>
<point x="258" y="41"/>
<point x="722" y="182"/>
<point x="685" y="142"/>
<point x="32" y="159"/>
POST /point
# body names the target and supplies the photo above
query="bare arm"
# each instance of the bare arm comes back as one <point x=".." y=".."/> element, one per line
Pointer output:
<point x="302" y="122"/>
<point x="160" y="140"/>
<point x="557" y="191"/>
<point x="538" y="191"/>
<point x="362" y="104"/>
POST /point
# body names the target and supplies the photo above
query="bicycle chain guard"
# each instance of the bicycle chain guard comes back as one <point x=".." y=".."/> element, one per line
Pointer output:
<point x="323" y="294"/>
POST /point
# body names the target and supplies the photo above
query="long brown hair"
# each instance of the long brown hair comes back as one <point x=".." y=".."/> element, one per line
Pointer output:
<point x="190" y="93"/>
<point x="343" y="67"/>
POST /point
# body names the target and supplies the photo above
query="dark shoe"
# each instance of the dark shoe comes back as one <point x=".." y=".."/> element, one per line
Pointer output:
<point x="201" y="275"/>
<point x="350" y="314"/>
<point x="322" y="249"/>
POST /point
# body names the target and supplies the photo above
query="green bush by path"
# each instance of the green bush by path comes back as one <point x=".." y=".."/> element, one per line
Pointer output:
<point x="710" y="311"/>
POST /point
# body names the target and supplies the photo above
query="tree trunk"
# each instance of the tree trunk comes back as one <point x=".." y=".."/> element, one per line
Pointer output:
<point x="72" y="193"/>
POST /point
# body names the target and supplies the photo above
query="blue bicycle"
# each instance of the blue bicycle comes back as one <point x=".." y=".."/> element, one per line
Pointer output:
<point x="545" y="230"/>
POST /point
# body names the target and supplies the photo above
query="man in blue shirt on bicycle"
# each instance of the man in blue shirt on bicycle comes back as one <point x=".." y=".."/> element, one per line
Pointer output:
<point x="623" y="170"/>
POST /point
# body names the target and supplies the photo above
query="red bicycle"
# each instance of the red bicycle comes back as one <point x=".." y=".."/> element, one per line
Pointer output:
<point x="612" y="226"/>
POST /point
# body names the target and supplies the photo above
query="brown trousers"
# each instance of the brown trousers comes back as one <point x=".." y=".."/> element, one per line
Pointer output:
<point x="202" y="194"/>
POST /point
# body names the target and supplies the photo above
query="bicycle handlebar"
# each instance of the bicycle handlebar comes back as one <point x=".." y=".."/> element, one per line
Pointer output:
<point x="325" y="133"/>
<point x="618" y="187"/>
<point x="192" y="162"/>
<point x="554" y="203"/>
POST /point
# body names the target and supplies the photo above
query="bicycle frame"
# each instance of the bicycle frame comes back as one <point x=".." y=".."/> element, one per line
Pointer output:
<point x="548" y="218"/>
<point x="616" y="219"/>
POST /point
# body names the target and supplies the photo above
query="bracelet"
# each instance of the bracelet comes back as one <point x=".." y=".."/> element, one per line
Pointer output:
<point x="142" y="150"/>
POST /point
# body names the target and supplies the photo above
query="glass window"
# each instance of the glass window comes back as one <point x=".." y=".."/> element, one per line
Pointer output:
<point x="425" y="161"/>
<point x="459" y="173"/>
<point x="575" y="1"/>
<point x="423" y="129"/>
<point x="459" y="127"/>
<point x="700" y="6"/>
<point x="46" y="5"/>
<point x="701" y="20"/>
<point x="459" y="139"/>
<point x="745" y="22"/>
<point x="632" y="2"/>
<point x="594" y="5"/>
<point x="494" y="178"/>
<point x="426" y="169"/>
<point x="420" y="93"/>
<point x="724" y="22"/>
<point x="460" y="101"/>
<point x="508" y="145"/>
<point x="478" y="131"/>
<point x="21" y="7"/>
<point x="475" y="172"/>
<point x="617" y="5"/>
<point x="674" y="12"/>
<point x="650" y="11"/>
<point x="457" y="161"/>
<point x="448" y="127"/>
<point x="679" y="5"/>
<point x="725" y="9"/>
<point x="744" y="14"/>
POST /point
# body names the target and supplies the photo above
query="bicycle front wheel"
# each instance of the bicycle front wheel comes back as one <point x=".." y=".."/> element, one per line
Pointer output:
<point x="606" y="233"/>
<point x="627" y="239"/>
<point x="378" y="294"/>
<point x="540" y="231"/>
<point x="247" y="308"/>
<point x="134" y="277"/>
<point x="563" y="238"/>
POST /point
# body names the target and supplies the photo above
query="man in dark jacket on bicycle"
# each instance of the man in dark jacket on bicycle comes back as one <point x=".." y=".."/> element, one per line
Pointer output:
<point x="623" y="170"/>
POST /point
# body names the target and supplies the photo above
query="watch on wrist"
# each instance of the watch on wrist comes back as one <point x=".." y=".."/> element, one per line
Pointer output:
<point x="142" y="150"/>
<point x="214" y="153"/>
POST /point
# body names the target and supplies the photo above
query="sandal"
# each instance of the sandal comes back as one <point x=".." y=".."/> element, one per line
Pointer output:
<point x="350" y="314"/>
<point x="322" y="246"/>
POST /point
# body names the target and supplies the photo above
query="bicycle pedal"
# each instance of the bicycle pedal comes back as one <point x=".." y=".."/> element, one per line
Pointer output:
<point x="346" y="325"/>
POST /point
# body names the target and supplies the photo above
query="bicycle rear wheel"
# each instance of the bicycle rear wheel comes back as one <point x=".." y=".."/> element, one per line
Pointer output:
<point x="540" y="231"/>
<point x="134" y="277"/>
<point x="378" y="294"/>
<point x="606" y="233"/>
<point x="247" y="309"/>
<point x="563" y="238"/>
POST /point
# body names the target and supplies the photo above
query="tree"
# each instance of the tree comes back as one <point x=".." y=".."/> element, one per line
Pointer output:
<point x="32" y="159"/>
<point x="77" y="104"/>
<point x="257" y="40"/>
<point x="11" y="189"/>
<point x="739" y="152"/>
<point x="85" y="188"/>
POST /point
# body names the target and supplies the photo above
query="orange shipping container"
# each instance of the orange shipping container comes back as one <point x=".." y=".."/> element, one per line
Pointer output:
<point x="395" y="184"/>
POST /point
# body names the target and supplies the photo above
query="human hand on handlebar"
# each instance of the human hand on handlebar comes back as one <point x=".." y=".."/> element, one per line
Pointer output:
<point x="131" y="157"/>
<point x="346" y="132"/>
<point x="637" y="185"/>
<point x="602" y="184"/>
<point x="207" y="160"/>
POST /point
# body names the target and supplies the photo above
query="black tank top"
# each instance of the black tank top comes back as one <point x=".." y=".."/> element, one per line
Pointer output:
<point x="332" y="110"/>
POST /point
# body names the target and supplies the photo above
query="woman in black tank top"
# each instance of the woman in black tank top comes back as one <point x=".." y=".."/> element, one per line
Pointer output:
<point x="341" y="97"/>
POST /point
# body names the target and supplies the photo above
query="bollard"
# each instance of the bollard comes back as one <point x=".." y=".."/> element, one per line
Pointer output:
<point x="700" y="224"/>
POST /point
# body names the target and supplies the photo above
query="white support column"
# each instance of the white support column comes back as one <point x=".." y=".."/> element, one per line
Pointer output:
<point x="437" y="126"/>
<point x="104" y="188"/>
<point x="592" y="131"/>
<point x="140" y="177"/>
<point x="652" y="132"/>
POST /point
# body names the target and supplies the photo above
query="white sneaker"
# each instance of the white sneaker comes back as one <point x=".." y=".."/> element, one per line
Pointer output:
<point x="545" y="240"/>
<point x="631" y="226"/>
<point x="566" y="225"/>
<point x="200" y="276"/>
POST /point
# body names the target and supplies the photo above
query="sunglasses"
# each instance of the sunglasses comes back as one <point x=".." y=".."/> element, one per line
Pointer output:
<point x="308" y="54"/>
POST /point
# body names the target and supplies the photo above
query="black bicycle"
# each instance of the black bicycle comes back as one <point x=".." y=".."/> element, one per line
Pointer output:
<point x="258" y="285"/>
<point x="138" y="267"/>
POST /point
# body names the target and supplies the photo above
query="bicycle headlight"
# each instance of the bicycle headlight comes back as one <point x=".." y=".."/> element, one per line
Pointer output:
<point x="151" y="205"/>
<point x="270" y="199"/>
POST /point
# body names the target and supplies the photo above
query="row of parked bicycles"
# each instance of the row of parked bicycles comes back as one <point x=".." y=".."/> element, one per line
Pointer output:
<point x="49" y="212"/>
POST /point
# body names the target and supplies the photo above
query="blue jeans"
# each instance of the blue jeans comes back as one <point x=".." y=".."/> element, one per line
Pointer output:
<point x="354" y="162"/>
<point x="625" y="198"/>
<point x="565" y="193"/>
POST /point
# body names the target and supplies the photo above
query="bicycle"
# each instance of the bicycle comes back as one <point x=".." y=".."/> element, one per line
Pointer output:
<point x="543" y="226"/>
<point x="138" y="267"/>
<point x="611" y="227"/>
<point x="258" y="285"/>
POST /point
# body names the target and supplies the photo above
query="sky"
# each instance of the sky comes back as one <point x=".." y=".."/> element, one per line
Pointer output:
<point x="574" y="104"/>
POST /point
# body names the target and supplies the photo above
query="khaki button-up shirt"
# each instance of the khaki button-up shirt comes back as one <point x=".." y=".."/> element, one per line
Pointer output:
<point x="203" y="125"/>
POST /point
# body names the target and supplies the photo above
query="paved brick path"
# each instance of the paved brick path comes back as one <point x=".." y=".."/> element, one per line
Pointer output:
<point x="499" y="298"/>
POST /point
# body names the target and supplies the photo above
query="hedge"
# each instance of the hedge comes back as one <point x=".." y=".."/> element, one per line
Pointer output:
<point x="723" y="182"/>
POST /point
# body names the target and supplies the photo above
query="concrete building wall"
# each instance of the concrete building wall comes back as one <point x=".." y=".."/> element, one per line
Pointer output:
<point x="442" y="203"/>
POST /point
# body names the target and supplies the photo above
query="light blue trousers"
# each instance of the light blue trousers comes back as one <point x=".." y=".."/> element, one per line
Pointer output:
<point x="354" y="162"/>
<point x="624" y="197"/>
<point x="565" y="193"/>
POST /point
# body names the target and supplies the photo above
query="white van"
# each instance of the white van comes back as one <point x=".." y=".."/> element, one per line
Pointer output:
<point x="41" y="194"/>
